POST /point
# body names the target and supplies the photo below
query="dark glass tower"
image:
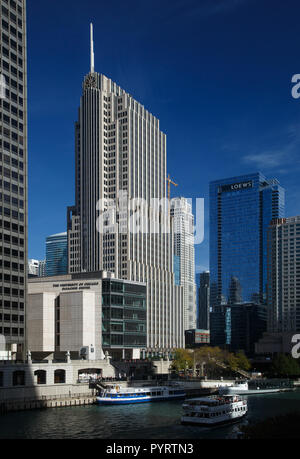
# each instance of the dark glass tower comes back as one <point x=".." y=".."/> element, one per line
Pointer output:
<point x="203" y="300"/>
<point x="13" y="172"/>
<point x="241" y="209"/>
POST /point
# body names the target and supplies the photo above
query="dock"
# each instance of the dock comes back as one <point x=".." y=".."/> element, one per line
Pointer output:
<point x="44" y="403"/>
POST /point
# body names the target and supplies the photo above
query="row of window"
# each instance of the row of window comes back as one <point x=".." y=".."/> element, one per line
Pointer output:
<point x="14" y="5"/>
<point x="11" y="318"/>
<point x="11" y="305"/>
<point x="12" y="122"/>
<point x="12" y="291"/>
<point x="11" y="265"/>
<point x="11" y="213"/>
<point x="11" y="147"/>
<point x="7" y="331"/>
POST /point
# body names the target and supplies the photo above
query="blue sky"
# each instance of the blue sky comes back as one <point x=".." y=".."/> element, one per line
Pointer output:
<point x="217" y="73"/>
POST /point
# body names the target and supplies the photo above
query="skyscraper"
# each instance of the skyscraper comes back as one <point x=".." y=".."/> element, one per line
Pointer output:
<point x="120" y="158"/>
<point x="284" y="275"/>
<point x="57" y="254"/>
<point x="241" y="209"/>
<point x="181" y="211"/>
<point x="13" y="172"/>
<point x="283" y="290"/>
<point x="203" y="300"/>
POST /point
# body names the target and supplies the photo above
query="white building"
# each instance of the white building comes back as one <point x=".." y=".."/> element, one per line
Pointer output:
<point x="120" y="150"/>
<point x="36" y="267"/>
<point x="181" y="211"/>
<point x="33" y="267"/>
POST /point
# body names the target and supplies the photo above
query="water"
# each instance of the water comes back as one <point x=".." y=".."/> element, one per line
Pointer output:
<point x="144" y="421"/>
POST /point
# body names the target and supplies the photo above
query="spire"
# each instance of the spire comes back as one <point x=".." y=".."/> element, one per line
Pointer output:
<point x="92" y="51"/>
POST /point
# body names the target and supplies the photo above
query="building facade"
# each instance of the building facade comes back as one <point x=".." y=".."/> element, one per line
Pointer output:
<point x="181" y="211"/>
<point x="13" y="172"/>
<point x="241" y="209"/>
<point x="238" y="326"/>
<point x="86" y="314"/>
<point x="196" y="338"/>
<point x="284" y="275"/>
<point x="56" y="255"/>
<point x="120" y="169"/>
<point x="33" y="267"/>
<point x="203" y="300"/>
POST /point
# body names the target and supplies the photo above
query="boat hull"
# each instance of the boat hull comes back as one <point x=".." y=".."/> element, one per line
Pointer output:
<point x="188" y="420"/>
<point x="249" y="391"/>
<point x="107" y="401"/>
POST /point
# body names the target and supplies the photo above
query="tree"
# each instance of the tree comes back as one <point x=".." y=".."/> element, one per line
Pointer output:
<point x="183" y="359"/>
<point x="242" y="361"/>
<point x="285" y="366"/>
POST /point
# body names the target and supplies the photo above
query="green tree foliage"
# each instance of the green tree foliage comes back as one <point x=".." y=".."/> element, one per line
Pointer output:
<point x="242" y="361"/>
<point x="183" y="360"/>
<point x="285" y="366"/>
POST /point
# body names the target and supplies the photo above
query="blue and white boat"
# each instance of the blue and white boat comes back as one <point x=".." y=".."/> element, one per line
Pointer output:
<point x="117" y="395"/>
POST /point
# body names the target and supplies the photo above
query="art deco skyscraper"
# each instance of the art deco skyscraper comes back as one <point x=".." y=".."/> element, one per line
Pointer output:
<point x="13" y="172"/>
<point x="120" y="150"/>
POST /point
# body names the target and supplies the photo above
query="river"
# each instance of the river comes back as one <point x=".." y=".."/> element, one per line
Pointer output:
<point x="159" y="420"/>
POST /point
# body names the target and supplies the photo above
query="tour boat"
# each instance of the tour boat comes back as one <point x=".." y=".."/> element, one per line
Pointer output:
<point x="242" y="388"/>
<point x="214" y="410"/>
<point x="117" y="395"/>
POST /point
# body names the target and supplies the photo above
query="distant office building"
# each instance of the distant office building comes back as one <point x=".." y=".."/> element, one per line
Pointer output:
<point x="33" y="267"/>
<point x="90" y="311"/>
<point x="196" y="338"/>
<point x="184" y="248"/>
<point x="283" y="293"/>
<point x="241" y="209"/>
<point x="238" y="326"/>
<point x="13" y="173"/>
<point x="203" y="294"/>
<point x="57" y="254"/>
<point x="36" y="268"/>
<point x="42" y="268"/>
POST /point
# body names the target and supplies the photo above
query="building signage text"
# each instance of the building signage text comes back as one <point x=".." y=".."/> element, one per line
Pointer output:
<point x="236" y="186"/>
<point x="76" y="286"/>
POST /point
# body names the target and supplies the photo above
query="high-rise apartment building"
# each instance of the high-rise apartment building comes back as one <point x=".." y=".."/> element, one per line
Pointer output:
<point x="57" y="254"/>
<point x="203" y="300"/>
<point x="181" y="211"/>
<point x="284" y="275"/>
<point x="13" y="172"/>
<point x="241" y="209"/>
<point x="120" y="158"/>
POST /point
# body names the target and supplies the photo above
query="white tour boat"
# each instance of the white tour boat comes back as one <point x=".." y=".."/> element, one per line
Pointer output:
<point x="242" y="388"/>
<point x="117" y="395"/>
<point x="214" y="410"/>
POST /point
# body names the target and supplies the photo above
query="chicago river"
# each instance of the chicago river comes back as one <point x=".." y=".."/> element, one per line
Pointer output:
<point x="160" y="420"/>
